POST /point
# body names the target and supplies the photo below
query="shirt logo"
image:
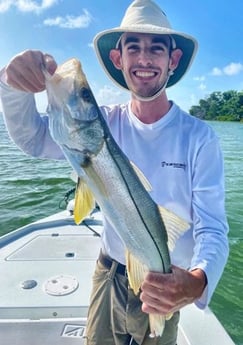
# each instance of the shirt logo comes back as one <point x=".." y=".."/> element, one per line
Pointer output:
<point x="173" y="165"/>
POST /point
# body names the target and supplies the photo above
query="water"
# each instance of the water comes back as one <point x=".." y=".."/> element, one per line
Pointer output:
<point x="33" y="188"/>
<point x="30" y="188"/>
<point x="227" y="302"/>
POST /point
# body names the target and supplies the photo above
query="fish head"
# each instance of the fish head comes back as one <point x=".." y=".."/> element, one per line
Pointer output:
<point x="74" y="117"/>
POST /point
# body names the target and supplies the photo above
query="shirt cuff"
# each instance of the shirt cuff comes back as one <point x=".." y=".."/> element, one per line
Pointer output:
<point x="202" y="302"/>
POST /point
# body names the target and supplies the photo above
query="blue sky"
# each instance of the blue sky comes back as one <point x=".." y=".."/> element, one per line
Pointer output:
<point x="65" y="28"/>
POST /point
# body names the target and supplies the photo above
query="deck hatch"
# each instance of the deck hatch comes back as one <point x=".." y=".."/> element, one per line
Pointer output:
<point x="62" y="247"/>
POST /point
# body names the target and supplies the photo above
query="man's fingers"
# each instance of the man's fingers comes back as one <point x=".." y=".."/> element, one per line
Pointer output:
<point x="49" y="63"/>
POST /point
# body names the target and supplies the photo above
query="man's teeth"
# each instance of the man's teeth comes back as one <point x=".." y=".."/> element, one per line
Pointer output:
<point x="144" y="74"/>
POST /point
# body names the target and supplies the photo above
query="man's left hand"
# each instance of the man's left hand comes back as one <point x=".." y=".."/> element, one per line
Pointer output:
<point x="167" y="293"/>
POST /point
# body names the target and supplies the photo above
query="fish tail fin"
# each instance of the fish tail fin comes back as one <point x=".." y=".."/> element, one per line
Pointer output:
<point x="84" y="201"/>
<point x="135" y="271"/>
<point x="157" y="325"/>
<point x="175" y="226"/>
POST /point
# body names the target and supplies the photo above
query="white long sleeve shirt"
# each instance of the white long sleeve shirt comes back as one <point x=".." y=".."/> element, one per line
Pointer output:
<point x="179" y="155"/>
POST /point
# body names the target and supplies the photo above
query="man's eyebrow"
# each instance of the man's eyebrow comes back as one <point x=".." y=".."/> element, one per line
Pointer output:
<point x="131" y="39"/>
<point x="155" y="39"/>
<point x="160" y="39"/>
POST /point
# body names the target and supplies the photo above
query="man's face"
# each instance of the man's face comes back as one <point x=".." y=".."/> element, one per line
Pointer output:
<point x="144" y="60"/>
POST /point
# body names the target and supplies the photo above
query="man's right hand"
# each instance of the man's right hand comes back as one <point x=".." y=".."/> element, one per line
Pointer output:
<point x="25" y="70"/>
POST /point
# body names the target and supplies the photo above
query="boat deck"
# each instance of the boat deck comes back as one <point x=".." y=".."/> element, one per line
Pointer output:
<point x="46" y="269"/>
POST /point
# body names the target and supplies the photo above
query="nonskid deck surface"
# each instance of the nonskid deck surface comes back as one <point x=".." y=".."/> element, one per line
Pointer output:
<point x="46" y="273"/>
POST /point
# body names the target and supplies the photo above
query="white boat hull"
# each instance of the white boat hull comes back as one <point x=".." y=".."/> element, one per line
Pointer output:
<point x="46" y="275"/>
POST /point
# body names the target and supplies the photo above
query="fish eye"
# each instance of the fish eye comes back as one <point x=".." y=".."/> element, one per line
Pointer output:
<point x="85" y="94"/>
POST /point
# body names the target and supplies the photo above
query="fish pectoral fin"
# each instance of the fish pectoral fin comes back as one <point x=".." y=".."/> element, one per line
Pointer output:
<point x="142" y="177"/>
<point x="135" y="271"/>
<point x="101" y="185"/>
<point x="84" y="201"/>
<point x="175" y="226"/>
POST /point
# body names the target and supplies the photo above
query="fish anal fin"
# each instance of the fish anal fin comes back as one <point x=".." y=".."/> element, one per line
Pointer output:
<point x="136" y="272"/>
<point x="84" y="201"/>
<point x="174" y="225"/>
<point x="142" y="177"/>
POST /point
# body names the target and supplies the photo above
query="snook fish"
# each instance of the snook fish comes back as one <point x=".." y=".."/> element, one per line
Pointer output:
<point x="120" y="189"/>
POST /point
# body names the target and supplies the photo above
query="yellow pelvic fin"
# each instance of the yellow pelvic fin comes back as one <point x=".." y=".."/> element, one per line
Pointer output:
<point x="174" y="225"/>
<point x="84" y="201"/>
<point x="136" y="272"/>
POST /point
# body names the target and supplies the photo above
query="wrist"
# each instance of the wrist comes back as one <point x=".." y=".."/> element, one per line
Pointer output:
<point x="200" y="280"/>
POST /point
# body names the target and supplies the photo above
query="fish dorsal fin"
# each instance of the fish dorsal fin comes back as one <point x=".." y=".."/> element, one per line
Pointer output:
<point x="84" y="201"/>
<point x="174" y="225"/>
<point x="142" y="177"/>
<point x="135" y="271"/>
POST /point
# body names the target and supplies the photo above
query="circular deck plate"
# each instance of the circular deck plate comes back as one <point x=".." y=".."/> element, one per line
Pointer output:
<point x="60" y="285"/>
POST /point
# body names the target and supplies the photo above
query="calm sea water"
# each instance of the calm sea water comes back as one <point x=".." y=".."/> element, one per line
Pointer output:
<point x="33" y="188"/>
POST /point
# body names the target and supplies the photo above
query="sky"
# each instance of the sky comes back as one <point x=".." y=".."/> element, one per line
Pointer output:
<point x="66" y="28"/>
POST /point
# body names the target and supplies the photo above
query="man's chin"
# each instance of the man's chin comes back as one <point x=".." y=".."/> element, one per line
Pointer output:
<point x="142" y="94"/>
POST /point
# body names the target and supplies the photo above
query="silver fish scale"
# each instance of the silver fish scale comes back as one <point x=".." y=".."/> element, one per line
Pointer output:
<point x="129" y="211"/>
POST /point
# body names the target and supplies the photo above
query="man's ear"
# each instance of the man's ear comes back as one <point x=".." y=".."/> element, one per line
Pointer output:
<point x="115" y="57"/>
<point x="176" y="54"/>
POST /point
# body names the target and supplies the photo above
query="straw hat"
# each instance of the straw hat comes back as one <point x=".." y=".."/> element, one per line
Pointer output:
<point x="144" y="16"/>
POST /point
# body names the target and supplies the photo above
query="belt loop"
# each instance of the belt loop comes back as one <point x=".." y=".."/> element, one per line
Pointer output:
<point x="113" y="269"/>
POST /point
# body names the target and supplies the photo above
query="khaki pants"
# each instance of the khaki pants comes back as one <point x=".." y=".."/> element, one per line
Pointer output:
<point x="115" y="316"/>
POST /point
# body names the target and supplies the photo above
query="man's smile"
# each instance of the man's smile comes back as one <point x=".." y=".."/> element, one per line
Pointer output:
<point x="145" y="74"/>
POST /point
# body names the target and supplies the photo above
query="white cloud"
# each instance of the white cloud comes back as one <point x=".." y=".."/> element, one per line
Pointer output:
<point x="193" y="99"/>
<point x="231" y="69"/>
<point x="26" y="5"/>
<point x="5" y="5"/>
<point x="202" y="86"/>
<point x="70" y="22"/>
<point x="110" y="95"/>
<point x="91" y="45"/>
<point x="216" y="71"/>
<point x="201" y="78"/>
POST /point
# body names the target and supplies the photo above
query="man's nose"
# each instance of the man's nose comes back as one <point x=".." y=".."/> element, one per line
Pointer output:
<point x="144" y="57"/>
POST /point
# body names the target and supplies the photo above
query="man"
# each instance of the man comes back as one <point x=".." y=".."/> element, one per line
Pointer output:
<point x="179" y="155"/>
